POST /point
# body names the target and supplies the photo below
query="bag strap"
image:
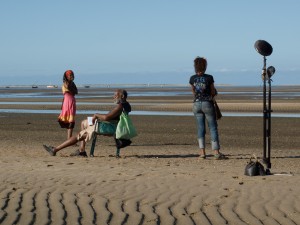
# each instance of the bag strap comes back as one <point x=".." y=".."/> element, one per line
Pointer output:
<point x="124" y="111"/>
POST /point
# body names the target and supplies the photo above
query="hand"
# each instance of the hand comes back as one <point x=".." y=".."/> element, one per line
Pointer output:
<point x="94" y="118"/>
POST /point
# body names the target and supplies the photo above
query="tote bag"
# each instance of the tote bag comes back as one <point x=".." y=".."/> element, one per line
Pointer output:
<point x="254" y="168"/>
<point x="125" y="128"/>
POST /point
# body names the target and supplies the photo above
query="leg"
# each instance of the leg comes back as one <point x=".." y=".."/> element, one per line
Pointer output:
<point x="83" y="137"/>
<point x="84" y="125"/>
<point x="118" y="153"/>
<point x="209" y="110"/>
<point x="213" y="127"/>
<point x="69" y="132"/>
<point x="71" y="141"/>
<point x="202" y="152"/>
<point x="201" y="130"/>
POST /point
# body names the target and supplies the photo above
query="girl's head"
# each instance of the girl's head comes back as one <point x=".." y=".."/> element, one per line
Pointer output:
<point x="200" y="65"/>
<point x="68" y="76"/>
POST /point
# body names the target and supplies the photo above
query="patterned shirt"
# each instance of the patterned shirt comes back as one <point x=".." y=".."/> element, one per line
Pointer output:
<point x="202" y="86"/>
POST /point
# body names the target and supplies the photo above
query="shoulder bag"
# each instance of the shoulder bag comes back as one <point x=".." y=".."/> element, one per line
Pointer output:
<point x="125" y="128"/>
<point x="217" y="110"/>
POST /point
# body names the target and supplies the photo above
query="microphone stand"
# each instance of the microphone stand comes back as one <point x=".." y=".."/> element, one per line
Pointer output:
<point x="266" y="119"/>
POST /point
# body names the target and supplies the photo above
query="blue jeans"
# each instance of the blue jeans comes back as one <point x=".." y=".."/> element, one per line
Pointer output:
<point x="206" y="110"/>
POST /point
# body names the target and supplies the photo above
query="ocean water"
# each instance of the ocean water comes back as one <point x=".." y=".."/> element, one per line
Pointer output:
<point x="40" y="94"/>
<point x="152" y="113"/>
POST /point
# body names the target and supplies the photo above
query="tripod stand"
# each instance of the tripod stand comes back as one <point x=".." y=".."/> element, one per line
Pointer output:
<point x="265" y="49"/>
<point x="266" y="76"/>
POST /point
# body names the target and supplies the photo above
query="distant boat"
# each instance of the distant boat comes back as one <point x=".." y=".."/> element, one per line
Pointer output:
<point x="87" y="86"/>
<point x="34" y="86"/>
<point x="52" y="86"/>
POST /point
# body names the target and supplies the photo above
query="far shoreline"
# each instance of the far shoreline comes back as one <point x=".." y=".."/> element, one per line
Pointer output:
<point x="141" y="85"/>
<point x="239" y="100"/>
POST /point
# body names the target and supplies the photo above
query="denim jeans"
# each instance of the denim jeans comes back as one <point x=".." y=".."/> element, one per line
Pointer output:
<point x="206" y="110"/>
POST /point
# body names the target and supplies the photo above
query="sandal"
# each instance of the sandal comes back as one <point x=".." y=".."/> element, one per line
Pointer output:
<point x="50" y="150"/>
<point x="202" y="157"/>
<point x="79" y="153"/>
<point x="220" y="156"/>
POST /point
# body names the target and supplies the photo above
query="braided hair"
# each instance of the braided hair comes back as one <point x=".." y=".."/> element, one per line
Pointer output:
<point x="200" y="64"/>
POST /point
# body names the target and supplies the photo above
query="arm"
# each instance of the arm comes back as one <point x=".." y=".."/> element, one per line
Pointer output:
<point x="65" y="87"/>
<point x="193" y="89"/>
<point x="109" y="116"/>
<point x="191" y="82"/>
<point x="213" y="90"/>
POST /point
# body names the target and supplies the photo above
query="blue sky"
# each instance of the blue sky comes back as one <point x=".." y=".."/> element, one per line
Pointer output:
<point x="140" y="41"/>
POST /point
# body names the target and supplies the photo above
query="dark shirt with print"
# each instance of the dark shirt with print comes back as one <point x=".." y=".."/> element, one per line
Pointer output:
<point x="202" y="85"/>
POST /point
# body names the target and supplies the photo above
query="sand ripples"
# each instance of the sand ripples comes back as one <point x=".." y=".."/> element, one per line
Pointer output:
<point x="158" y="180"/>
<point x="146" y="199"/>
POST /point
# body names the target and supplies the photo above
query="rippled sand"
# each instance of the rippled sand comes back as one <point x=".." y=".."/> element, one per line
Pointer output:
<point x="158" y="179"/>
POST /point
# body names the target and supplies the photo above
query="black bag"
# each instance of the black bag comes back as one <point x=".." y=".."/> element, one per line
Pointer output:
<point x="254" y="168"/>
<point x="218" y="111"/>
<point x="122" y="143"/>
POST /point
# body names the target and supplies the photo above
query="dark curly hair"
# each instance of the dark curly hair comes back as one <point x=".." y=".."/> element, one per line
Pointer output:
<point x="68" y="72"/>
<point x="200" y="64"/>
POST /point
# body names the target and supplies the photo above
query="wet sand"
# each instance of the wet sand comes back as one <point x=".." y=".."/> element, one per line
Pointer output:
<point x="158" y="179"/>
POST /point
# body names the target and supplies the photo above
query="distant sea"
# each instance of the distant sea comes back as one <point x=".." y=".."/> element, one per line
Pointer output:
<point x="41" y="93"/>
<point x="233" y="78"/>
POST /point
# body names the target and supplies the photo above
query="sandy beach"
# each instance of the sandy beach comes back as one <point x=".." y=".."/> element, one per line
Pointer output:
<point x="159" y="179"/>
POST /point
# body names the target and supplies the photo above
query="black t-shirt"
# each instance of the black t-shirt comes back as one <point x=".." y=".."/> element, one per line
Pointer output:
<point x="202" y="86"/>
<point x="126" y="106"/>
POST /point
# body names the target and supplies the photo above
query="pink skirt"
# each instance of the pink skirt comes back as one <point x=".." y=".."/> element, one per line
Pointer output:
<point x="66" y="118"/>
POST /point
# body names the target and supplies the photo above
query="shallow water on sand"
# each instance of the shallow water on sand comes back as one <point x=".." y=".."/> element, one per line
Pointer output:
<point x="26" y="96"/>
<point x="153" y="113"/>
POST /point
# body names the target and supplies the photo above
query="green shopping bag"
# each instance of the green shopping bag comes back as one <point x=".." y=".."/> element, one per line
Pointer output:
<point x="125" y="128"/>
